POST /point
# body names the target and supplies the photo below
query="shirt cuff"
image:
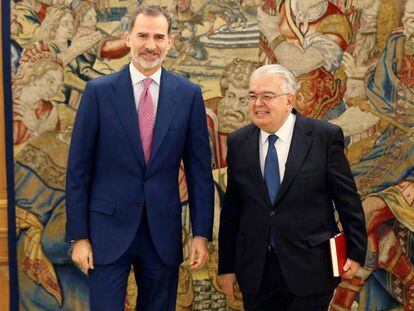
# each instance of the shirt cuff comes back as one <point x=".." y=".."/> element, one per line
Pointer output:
<point x="197" y="236"/>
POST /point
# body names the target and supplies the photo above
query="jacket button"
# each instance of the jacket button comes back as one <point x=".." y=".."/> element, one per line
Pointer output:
<point x="272" y="213"/>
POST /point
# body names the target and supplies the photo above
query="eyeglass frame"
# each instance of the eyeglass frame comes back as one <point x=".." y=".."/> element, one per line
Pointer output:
<point x="253" y="97"/>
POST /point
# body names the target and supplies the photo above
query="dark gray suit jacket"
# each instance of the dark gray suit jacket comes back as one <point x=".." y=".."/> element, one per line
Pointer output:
<point x="317" y="176"/>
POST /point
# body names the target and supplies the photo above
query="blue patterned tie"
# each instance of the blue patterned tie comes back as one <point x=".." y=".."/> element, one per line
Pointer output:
<point x="271" y="169"/>
<point x="272" y="180"/>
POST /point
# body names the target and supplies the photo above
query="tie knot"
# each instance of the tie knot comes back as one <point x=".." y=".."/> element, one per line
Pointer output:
<point x="147" y="82"/>
<point x="272" y="139"/>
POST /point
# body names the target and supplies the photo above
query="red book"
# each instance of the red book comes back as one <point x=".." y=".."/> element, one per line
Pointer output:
<point x="337" y="246"/>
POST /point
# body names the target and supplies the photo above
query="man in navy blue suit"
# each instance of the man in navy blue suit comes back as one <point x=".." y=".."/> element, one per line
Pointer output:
<point x="131" y="131"/>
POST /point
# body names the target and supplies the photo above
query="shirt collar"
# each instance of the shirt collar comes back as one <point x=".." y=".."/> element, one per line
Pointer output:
<point x="137" y="76"/>
<point x="283" y="133"/>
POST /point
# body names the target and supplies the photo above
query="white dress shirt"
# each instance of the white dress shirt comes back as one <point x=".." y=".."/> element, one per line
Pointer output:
<point x="138" y="85"/>
<point x="282" y="144"/>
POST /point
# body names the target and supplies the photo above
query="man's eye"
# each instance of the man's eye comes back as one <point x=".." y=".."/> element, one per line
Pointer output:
<point x="267" y="98"/>
<point x="252" y="98"/>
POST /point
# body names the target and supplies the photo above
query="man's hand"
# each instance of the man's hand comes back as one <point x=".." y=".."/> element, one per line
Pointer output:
<point x="82" y="254"/>
<point x="198" y="253"/>
<point x="350" y="268"/>
<point x="229" y="286"/>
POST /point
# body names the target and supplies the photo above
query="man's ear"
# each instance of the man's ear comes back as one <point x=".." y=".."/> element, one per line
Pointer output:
<point x="126" y="38"/>
<point x="291" y="98"/>
<point x="171" y="41"/>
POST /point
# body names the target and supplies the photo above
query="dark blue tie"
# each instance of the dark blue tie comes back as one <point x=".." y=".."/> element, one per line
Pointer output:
<point x="272" y="180"/>
<point x="271" y="169"/>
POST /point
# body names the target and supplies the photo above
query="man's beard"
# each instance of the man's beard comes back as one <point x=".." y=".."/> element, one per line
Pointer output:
<point x="147" y="65"/>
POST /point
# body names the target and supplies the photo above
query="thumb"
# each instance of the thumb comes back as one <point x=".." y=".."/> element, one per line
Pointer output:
<point x="347" y="265"/>
<point x="192" y="254"/>
<point x="230" y="291"/>
<point x="91" y="266"/>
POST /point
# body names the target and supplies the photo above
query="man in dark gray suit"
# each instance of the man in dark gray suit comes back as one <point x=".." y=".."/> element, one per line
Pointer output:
<point x="286" y="174"/>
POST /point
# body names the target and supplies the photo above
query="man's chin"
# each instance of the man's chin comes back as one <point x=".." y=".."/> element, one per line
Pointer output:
<point x="147" y="65"/>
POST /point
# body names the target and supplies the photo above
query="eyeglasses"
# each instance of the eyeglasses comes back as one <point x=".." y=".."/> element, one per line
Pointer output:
<point x="266" y="98"/>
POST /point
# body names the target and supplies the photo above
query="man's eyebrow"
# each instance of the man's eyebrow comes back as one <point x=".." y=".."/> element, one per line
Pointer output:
<point x="264" y="93"/>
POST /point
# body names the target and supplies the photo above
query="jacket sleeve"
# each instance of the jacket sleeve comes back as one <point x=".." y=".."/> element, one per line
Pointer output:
<point x="346" y="198"/>
<point x="229" y="217"/>
<point x="197" y="163"/>
<point x="80" y="166"/>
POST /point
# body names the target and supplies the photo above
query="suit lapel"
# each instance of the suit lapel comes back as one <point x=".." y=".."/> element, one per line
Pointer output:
<point x="299" y="147"/>
<point x="253" y="162"/>
<point x="124" y="104"/>
<point x="166" y="106"/>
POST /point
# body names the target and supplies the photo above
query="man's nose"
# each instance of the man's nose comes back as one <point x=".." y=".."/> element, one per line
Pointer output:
<point x="259" y="101"/>
<point x="150" y="44"/>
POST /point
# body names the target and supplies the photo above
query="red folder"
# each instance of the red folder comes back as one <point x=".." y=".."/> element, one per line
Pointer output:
<point x="337" y="245"/>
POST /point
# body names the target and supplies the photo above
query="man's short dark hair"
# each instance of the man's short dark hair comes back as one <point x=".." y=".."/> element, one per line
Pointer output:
<point x="150" y="10"/>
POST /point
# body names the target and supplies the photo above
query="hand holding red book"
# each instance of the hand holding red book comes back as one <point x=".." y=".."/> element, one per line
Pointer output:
<point x="337" y="245"/>
<point x="341" y="265"/>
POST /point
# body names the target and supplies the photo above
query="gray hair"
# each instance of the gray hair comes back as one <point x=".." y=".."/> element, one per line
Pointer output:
<point x="150" y="10"/>
<point x="289" y="84"/>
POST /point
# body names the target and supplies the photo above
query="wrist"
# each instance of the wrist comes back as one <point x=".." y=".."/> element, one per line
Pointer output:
<point x="201" y="237"/>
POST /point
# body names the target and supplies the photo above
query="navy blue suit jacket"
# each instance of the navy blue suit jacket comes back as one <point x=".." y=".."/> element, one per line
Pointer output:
<point x="108" y="182"/>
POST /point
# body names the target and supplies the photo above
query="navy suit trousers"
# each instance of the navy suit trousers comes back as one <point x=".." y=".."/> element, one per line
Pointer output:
<point x="157" y="283"/>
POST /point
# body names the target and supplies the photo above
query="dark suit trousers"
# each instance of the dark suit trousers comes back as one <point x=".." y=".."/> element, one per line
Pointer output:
<point x="274" y="294"/>
<point x="157" y="283"/>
